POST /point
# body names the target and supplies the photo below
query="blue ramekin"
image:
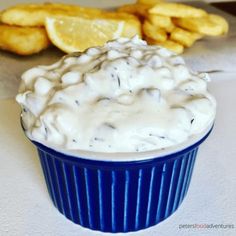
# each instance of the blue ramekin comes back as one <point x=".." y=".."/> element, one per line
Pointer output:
<point x="118" y="196"/>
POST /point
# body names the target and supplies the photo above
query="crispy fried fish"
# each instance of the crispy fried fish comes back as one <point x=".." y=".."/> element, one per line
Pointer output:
<point x="23" y="40"/>
<point x="35" y="14"/>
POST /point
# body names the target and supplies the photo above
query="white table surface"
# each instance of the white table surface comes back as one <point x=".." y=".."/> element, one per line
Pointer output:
<point x="25" y="206"/>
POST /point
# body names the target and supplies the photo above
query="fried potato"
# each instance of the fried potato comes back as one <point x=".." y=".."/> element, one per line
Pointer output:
<point x="176" y="10"/>
<point x="196" y="35"/>
<point x="171" y="45"/>
<point x="184" y="37"/>
<point x="35" y="14"/>
<point x="164" y="22"/>
<point x="219" y="20"/>
<point x="23" y="40"/>
<point x="139" y="10"/>
<point x="203" y="25"/>
<point x="154" y="32"/>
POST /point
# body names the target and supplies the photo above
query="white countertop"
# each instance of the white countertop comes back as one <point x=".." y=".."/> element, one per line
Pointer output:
<point x="25" y="206"/>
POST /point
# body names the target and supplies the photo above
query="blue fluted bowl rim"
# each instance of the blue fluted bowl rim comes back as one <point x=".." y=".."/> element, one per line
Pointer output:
<point x="111" y="163"/>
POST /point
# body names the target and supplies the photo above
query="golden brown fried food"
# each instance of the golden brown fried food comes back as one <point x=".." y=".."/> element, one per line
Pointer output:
<point x="176" y="10"/>
<point x="169" y="44"/>
<point x="35" y="14"/>
<point x="23" y="40"/>
<point x="149" y="2"/>
<point x="139" y="10"/>
<point x="173" y="46"/>
<point x="172" y="25"/>
<point x="164" y="22"/>
<point x="154" y="32"/>
<point x="219" y="20"/>
<point x="132" y="25"/>
<point x="204" y="25"/>
<point x="184" y="37"/>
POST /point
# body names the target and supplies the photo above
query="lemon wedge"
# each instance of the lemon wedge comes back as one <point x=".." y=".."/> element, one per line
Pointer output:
<point x="71" y="34"/>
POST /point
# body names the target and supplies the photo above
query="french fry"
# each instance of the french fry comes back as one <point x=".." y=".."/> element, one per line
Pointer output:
<point x="219" y="20"/>
<point x="176" y="10"/>
<point x="204" y="25"/>
<point x="171" y="45"/>
<point x="184" y="37"/>
<point x="154" y="32"/>
<point x="164" y="22"/>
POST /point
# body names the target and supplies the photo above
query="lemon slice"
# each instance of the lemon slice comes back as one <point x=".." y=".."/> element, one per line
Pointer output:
<point x="72" y="34"/>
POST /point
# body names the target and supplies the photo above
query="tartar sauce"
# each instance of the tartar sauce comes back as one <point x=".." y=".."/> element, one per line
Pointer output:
<point x="123" y="97"/>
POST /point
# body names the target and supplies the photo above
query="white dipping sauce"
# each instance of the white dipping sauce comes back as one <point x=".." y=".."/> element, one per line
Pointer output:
<point x="123" y="97"/>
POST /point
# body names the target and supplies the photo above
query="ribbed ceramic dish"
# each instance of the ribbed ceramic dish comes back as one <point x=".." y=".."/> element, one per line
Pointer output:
<point x="118" y="196"/>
